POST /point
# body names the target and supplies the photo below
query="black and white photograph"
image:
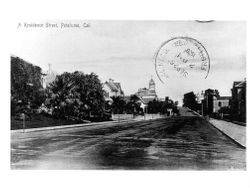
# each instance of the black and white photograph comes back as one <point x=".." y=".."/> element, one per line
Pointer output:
<point x="128" y="95"/>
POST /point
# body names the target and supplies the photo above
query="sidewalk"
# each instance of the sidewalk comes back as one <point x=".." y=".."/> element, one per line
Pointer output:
<point x="234" y="131"/>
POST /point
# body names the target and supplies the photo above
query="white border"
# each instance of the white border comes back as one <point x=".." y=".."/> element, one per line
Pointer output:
<point x="14" y="11"/>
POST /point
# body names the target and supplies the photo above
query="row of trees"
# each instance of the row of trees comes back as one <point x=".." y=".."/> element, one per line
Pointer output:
<point x="162" y="107"/>
<point x="75" y="94"/>
<point x="130" y="106"/>
<point x="71" y="96"/>
<point x="133" y="105"/>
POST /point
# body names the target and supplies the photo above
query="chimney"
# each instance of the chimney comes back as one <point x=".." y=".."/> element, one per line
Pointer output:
<point x="49" y="69"/>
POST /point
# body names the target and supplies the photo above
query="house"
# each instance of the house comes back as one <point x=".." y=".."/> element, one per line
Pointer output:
<point x="144" y="103"/>
<point x="48" y="77"/>
<point x="221" y="101"/>
<point x="112" y="88"/>
<point x="210" y="96"/>
<point x="238" y="101"/>
<point x="213" y="102"/>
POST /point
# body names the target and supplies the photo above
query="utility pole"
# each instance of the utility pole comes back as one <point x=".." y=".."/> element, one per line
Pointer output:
<point x="23" y="116"/>
<point x="200" y="100"/>
<point x="201" y="108"/>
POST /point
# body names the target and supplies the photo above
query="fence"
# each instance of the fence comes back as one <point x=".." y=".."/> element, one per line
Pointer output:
<point x="118" y="117"/>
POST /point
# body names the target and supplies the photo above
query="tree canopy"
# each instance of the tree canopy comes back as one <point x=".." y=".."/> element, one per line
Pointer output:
<point x="190" y="101"/>
<point x="76" y="95"/>
<point x="27" y="93"/>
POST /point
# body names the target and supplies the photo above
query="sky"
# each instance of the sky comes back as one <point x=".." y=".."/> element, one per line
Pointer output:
<point x="124" y="51"/>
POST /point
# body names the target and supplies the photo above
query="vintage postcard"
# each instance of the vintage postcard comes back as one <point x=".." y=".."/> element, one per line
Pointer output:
<point x="128" y="95"/>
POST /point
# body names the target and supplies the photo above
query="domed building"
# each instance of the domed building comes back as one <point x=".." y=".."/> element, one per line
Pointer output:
<point x="151" y="87"/>
<point x="147" y="94"/>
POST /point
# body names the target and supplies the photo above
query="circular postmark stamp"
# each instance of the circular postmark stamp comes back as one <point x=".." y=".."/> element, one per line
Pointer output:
<point x="181" y="57"/>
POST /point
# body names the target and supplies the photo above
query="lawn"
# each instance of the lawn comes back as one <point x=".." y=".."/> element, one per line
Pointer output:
<point x="40" y="121"/>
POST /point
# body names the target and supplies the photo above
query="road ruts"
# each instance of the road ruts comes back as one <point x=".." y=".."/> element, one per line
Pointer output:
<point x="186" y="142"/>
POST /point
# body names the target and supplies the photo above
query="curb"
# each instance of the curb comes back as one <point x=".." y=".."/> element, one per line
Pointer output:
<point x="234" y="140"/>
<point x="60" y="127"/>
<point x="66" y="126"/>
<point x="194" y="112"/>
<point x="236" y="122"/>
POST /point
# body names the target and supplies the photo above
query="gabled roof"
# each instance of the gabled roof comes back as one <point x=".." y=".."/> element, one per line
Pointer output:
<point x="236" y="83"/>
<point x="114" y="86"/>
<point x="118" y="85"/>
<point x="239" y="84"/>
<point x="213" y="92"/>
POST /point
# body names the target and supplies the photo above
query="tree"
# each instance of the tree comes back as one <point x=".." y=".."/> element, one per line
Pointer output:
<point x="176" y="110"/>
<point x="190" y="101"/>
<point x="27" y="93"/>
<point x="167" y="104"/>
<point x="76" y="95"/>
<point x="176" y="103"/>
<point x="225" y="110"/>
<point x="118" y="106"/>
<point x="134" y="105"/>
<point x="155" y="106"/>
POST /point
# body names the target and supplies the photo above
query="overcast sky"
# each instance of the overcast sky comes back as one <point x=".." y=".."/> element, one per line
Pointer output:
<point x="124" y="51"/>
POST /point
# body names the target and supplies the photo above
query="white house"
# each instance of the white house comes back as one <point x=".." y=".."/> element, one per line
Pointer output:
<point x="112" y="88"/>
<point x="222" y="101"/>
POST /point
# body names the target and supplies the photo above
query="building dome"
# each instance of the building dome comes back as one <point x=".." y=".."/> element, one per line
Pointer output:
<point x="151" y="86"/>
<point x="151" y="82"/>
